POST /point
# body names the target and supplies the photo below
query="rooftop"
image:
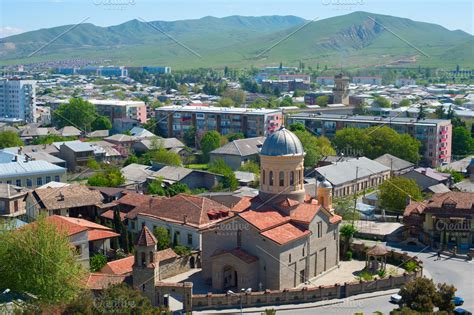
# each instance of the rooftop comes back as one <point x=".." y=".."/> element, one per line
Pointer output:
<point x="222" y="110"/>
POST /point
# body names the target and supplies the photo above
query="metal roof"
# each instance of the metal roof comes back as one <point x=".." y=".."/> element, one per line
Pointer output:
<point x="15" y="169"/>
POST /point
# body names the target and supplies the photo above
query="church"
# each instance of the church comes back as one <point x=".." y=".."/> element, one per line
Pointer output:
<point x="279" y="239"/>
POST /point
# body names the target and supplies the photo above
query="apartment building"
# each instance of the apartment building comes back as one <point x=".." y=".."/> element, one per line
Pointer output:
<point x="17" y="100"/>
<point x="434" y="134"/>
<point x="175" y="120"/>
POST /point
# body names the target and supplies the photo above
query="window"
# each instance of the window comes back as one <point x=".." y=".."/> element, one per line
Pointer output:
<point x="292" y="178"/>
<point x="56" y="178"/>
<point x="190" y="239"/>
<point x="9" y="182"/>
<point x="143" y="259"/>
<point x="281" y="178"/>
<point x="18" y="182"/>
<point x="48" y="179"/>
<point x="263" y="177"/>
<point x="39" y="181"/>
<point x="303" y="251"/>
<point x="320" y="229"/>
<point x="271" y="178"/>
<point x="289" y="258"/>
<point x="29" y="182"/>
<point x="78" y="250"/>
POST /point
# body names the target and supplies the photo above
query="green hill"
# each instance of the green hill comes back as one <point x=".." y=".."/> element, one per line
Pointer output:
<point x="358" y="39"/>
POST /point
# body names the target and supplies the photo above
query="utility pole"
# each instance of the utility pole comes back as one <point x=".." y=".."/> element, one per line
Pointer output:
<point x="355" y="195"/>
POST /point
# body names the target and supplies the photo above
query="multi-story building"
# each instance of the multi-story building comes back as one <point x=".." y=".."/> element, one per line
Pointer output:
<point x="173" y="121"/>
<point x="435" y="135"/>
<point x="367" y="80"/>
<point x="18" y="100"/>
<point x="341" y="89"/>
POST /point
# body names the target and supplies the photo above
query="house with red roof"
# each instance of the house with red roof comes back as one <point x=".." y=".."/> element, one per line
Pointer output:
<point x="87" y="237"/>
<point x="282" y="237"/>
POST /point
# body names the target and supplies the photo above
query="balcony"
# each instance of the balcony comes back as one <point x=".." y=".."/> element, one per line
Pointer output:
<point x="443" y="140"/>
<point x="443" y="132"/>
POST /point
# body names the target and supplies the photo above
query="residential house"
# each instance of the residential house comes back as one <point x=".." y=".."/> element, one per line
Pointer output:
<point x="75" y="153"/>
<point x="22" y="171"/>
<point x="12" y="200"/>
<point x="430" y="180"/>
<point x="145" y="145"/>
<point x="353" y="176"/>
<point x="238" y="152"/>
<point x="87" y="237"/>
<point x="397" y="166"/>
<point x="190" y="214"/>
<point x="191" y="178"/>
<point x="72" y="201"/>
<point x="445" y="220"/>
<point x="70" y="131"/>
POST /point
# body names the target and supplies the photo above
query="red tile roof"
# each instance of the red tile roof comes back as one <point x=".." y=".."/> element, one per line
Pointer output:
<point x="109" y="214"/>
<point x="146" y="238"/>
<point x="335" y="219"/>
<point x="264" y="220"/>
<point x="165" y="254"/>
<point x="305" y="212"/>
<point x="285" y="233"/>
<point x="134" y="199"/>
<point x="186" y="209"/>
<point x="95" y="235"/>
<point x="122" y="266"/>
<point x="101" y="281"/>
<point x="243" y="204"/>
<point x="237" y="252"/>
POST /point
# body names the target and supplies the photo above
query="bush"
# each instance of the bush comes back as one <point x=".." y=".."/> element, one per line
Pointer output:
<point x="410" y="266"/>
<point x="366" y="276"/>
<point x="382" y="273"/>
<point x="349" y="256"/>
<point x="181" y="250"/>
<point x="97" y="262"/>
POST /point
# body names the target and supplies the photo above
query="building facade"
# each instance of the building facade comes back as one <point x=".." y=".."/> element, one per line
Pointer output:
<point x="280" y="238"/>
<point x="435" y="135"/>
<point x="18" y="100"/>
<point x="175" y="120"/>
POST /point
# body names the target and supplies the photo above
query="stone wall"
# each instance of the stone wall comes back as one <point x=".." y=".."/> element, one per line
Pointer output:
<point x="304" y="295"/>
<point x="173" y="267"/>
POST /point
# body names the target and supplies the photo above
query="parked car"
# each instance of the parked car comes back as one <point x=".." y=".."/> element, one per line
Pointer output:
<point x="459" y="311"/>
<point x="458" y="301"/>
<point x="395" y="298"/>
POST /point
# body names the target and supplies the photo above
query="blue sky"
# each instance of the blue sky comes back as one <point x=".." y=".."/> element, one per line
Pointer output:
<point x="18" y="16"/>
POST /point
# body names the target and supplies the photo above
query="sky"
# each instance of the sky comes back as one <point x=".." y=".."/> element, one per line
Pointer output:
<point x="17" y="16"/>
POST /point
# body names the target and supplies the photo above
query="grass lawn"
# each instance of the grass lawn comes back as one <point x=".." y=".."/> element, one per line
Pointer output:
<point x="201" y="167"/>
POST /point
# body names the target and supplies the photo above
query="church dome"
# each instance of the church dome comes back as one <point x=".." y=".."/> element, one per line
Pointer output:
<point x="282" y="142"/>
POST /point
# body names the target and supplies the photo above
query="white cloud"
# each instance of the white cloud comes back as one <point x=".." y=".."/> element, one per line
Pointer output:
<point x="6" y="31"/>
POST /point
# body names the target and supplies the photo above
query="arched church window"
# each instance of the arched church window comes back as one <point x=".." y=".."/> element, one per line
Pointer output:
<point x="281" y="178"/>
<point x="263" y="177"/>
<point x="151" y="257"/>
<point x="143" y="259"/>
<point x="292" y="178"/>
<point x="271" y="178"/>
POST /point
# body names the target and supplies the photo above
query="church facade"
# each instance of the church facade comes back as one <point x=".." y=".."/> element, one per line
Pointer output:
<point x="279" y="239"/>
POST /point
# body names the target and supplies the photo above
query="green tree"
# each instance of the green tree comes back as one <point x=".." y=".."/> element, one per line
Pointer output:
<point x="156" y="187"/>
<point x="344" y="206"/>
<point x="49" y="139"/>
<point x="444" y="297"/>
<point x="286" y="101"/>
<point x="381" y="101"/>
<point x="210" y="141"/>
<point x="418" y="295"/>
<point x="314" y="147"/>
<point x="395" y="193"/>
<point x="404" y="103"/>
<point x="297" y="126"/>
<point x="132" y="159"/>
<point x="10" y="139"/>
<point x="78" y="113"/>
<point x="226" y="102"/>
<point x="322" y="100"/>
<point x="230" y="182"/>
<point x="39" y="259"/>
<point x="159" y="154"/>
<point x="109" y="177"/>
<point x="235" y="136"/>
<point x="237" y="96"/>
<point x="162" y="237"/>
<point x="101" y="123"/>
<point x="97" y="262"/>
<point x="463" y="143"/>
<point x="190" y="137"/>
<point x="347" y="231"/>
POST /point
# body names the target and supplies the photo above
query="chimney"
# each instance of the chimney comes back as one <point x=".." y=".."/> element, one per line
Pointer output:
<point x="423" y="171"/>
<point x="185" y="219"/>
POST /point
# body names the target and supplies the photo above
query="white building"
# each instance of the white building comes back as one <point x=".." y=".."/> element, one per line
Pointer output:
<point x="17" y="100"/>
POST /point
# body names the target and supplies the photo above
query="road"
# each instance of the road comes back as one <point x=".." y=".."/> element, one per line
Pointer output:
<point x="458" y="272"/>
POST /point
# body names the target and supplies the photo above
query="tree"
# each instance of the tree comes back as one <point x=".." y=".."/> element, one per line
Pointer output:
<point x="49" y="139"/>
<point x="404" y="103"/>
<point x="159" y="154"/>
<point x="344" y="206"/>
<point x="395" y="193"/>
<point x="421" y="295"/>
<point x="421" y="112"/>
<point x="444" y="297"/>
<point x="229" y="181"/>
<point x="360" y="109"/>
<point x="132" y="159"/>
<point x="463" y="143"/>
<point x="347" y="231"/>
<point x="109" y="177"/>
<point x="286" y="101"/>
<point x="210" y="141"/>
<point x="97" y="262"/>
<point x="235" y="136"/>
<point x="381" y="101"/>
<point x="314" y="147"/>
<point x="101" y="123"/>
<point x="39" y="259"/>
<point x="237" y="96"/>
<point x="162" y="237"/>
<point x="190" y="137"/>
<point x="10" y="139"/>
<point x="322" y="100"/>
<point x="77" y="112"/>
<point x="297" y="126"/>
<point x="226" y="102"/>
